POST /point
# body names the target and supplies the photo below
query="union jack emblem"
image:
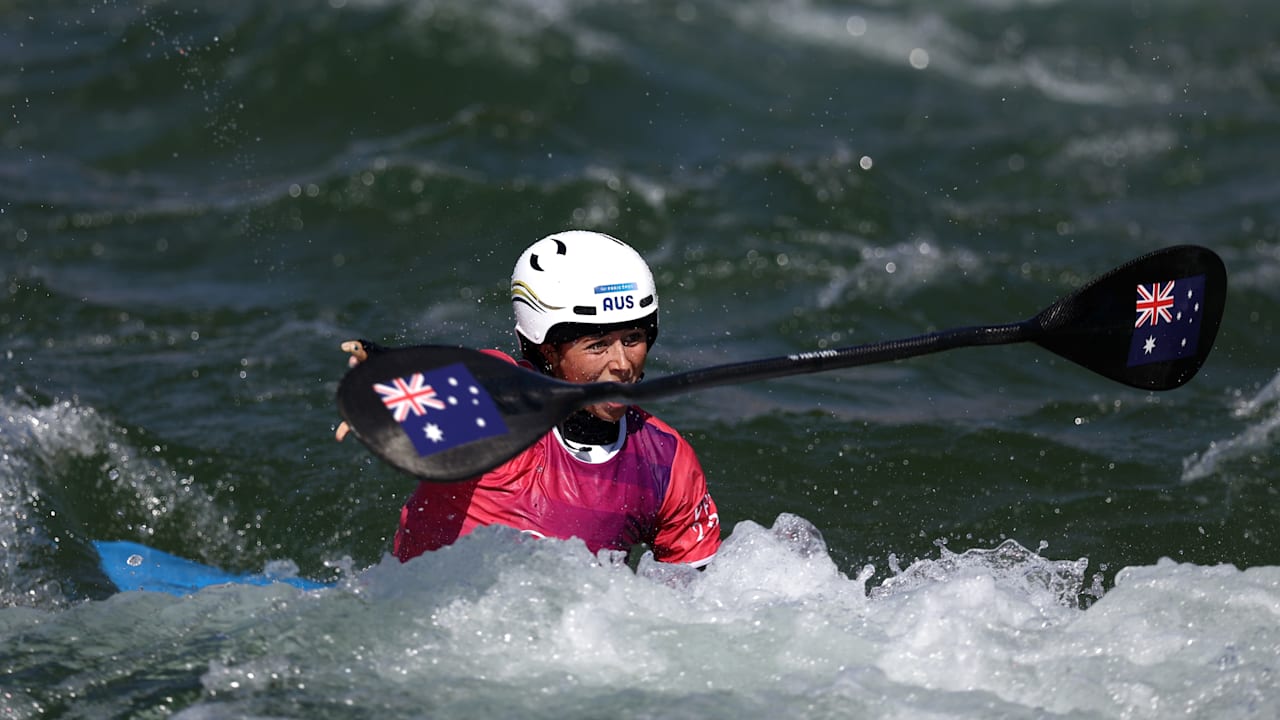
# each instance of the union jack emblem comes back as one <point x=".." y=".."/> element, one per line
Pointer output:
<point x="408" y="395"/>
<point x="1154" y="303"/>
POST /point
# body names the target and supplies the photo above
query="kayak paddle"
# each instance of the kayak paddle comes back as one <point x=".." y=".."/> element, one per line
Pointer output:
<point x="446" y="414"/>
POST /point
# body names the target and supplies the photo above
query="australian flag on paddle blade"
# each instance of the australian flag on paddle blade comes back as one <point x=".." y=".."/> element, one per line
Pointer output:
<point x="441" y="409"/>
<point x="1168" y="320"/>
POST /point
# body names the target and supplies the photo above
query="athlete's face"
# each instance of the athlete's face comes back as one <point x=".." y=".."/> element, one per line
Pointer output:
<point x="616" y="356"/>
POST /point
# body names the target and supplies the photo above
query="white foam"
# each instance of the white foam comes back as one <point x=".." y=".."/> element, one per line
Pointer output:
<point x="40" y="444"/>
<point x="502" y="624"/>
<point x="34" y="440"/>
<point x="502" y="621"/>
<point x="1261" y="415"/>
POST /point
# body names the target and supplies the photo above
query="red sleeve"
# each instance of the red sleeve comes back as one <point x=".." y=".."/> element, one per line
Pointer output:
<point x="689" y="526"/>
<point x="500" y="355"/>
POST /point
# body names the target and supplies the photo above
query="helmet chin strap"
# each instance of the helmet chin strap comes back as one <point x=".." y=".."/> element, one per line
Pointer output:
<point x="586" y="429"/>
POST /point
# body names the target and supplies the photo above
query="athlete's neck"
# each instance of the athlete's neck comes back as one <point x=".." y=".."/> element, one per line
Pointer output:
<point x="584" y="428"/>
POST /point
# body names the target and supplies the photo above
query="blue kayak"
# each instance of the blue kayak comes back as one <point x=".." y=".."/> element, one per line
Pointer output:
<point x="133" y="566"/>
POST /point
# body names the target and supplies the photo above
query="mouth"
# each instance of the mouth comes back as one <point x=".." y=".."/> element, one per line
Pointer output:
<point x="610" y="411"/>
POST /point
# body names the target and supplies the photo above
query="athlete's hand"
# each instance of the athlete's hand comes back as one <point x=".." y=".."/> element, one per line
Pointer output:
<point x="359" y="353"/>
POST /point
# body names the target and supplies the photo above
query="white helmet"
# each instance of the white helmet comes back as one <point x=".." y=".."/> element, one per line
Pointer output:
<point x="577" y="282"/>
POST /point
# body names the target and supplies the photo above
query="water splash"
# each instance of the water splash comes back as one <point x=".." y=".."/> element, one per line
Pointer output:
<point x="1060" y="581"/>
<point x="58" y="457"/>
<point x="501" y="623"/>
<point x="1261" y="414"/>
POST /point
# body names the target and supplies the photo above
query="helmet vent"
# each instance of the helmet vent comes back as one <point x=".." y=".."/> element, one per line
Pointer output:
<point x="561" y="249"/>
<point x="583" y="310"/>
<point x="646" y="301"/>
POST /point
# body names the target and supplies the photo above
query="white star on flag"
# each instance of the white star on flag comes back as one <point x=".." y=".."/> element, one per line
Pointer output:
<point x="433" y="432"/>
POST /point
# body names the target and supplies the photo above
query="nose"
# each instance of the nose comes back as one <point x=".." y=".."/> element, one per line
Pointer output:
<point x="619" y="364"/>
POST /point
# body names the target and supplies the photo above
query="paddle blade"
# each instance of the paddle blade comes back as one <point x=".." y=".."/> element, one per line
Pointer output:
<point x="1149" y="323"/>
<point x="446" y="414"/>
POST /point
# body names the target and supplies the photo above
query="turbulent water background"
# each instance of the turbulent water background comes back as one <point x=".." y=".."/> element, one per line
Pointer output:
<point x="199" y="200"/>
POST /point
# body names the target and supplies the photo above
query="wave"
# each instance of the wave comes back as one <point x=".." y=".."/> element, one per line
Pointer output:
<point x="1247" y="451"/>
<point x="501" y="622"/>
<point x="64" y="463"/>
